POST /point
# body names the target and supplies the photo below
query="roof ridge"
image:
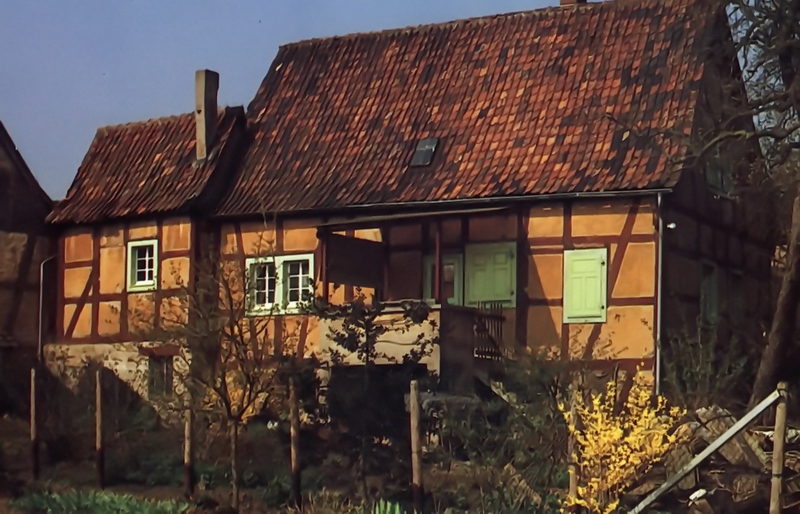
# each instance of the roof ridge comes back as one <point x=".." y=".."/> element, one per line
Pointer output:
<point x="161" y="119"/>
<point x="474" y="19"/>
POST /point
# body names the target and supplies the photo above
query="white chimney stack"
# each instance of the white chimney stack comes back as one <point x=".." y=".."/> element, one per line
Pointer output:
<point x="206" y="85"/>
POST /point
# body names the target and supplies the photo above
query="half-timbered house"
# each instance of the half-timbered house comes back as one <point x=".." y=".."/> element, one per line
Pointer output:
<point x="514" y="170"/>
<point x="520" y="173"/>
<point x="24" y="252"/>
<point x="127" y="235"/>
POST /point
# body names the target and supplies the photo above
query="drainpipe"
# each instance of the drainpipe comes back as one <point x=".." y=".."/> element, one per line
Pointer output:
<point x="40" y="353"/>
<point x="660" y="294"/>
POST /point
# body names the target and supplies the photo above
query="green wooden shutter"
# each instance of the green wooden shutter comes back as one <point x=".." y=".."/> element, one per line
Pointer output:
<point x="585" y="285"/>
<point x="490" y="273"/>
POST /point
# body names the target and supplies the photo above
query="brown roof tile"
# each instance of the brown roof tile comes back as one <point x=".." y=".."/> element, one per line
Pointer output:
<point x="523" y="104"/>
<point x="146" y="167"/>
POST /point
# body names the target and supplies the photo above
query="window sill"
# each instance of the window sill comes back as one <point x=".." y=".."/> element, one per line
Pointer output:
<point x="584" y="321"/>
<point x="141" y="288"/>
<point x="274" y="311"/>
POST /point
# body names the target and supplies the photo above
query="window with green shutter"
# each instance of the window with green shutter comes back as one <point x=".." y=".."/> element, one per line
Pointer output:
<point x="585" y="285"/>
<point x="490" y="273"/>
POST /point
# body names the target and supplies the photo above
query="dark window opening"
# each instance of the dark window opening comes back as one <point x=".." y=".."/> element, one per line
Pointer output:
<point x="423" y="155"/>
<point x="160" y="376"/>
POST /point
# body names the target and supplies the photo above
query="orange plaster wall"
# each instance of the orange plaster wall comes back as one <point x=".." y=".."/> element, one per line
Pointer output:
<point x="628" y="330"/>
<point x="493" y="228"/>
<point x="546" y="220"/>
<point x="300" y="236"/>
<point x="637" y="273"/>
<point x="78" y="247"/>
<point x="176" y="234"/>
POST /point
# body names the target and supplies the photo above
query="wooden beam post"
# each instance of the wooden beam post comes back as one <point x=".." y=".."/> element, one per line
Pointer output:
<point x="188" y="452"/>
<point x="779" y="443"/>
<point x="34" y="429"/>
<point x="323" y="265"/>
<point x="572" y="466"/>
<point x="98" y="431"/>
<point x="294" y="445"/>
<point x="437" y="268"/>
<point x="416" y="449"/>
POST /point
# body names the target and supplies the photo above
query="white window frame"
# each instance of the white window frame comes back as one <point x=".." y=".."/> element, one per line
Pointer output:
<point x="457" y="260"/>
<point x="133" y="284"/>
<point x="281" y="305"/>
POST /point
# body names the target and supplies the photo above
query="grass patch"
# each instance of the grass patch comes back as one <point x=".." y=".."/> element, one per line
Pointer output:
<point x="81" y="502"/>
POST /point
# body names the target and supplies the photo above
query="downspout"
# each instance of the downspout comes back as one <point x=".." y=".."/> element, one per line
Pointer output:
<point x="659" y="293"/>
<point x="40" y="352"/>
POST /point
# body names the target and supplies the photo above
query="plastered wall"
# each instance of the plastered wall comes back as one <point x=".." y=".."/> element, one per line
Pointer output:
<point x="20" y="257"/>
<point x="95" y="304"/>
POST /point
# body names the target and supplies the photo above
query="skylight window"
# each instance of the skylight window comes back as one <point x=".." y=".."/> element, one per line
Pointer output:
<point x="423" y="155"/>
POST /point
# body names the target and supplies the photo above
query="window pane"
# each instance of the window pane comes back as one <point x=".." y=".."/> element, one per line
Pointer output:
<point x="144" y="264"/>
<point x="263" y="280"/>
<point x="297" y="281"/>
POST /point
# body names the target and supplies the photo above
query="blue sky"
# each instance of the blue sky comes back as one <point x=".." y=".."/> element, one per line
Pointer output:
<point x="67" y="68"/>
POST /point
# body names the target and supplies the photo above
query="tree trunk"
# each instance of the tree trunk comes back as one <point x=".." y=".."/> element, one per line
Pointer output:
<point x="782" y="331"/>
<point x="234" y="466"/>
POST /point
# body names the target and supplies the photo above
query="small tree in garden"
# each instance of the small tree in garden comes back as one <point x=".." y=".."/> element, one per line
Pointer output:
<point x="615" y="449"/>
<point x="359" y="330"/>
<point x="232" y="365"/>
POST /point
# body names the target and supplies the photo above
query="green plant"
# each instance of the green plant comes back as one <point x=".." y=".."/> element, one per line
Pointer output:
<point x="699" y="370"/>
<point x="615" y="449"/>
<point x="385" y="507"/>
<point x="516" y="437"/>
<point x="89" y="502"/>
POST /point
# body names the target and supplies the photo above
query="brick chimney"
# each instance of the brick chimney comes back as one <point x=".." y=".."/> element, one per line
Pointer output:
<point x="206" y="85"/>
<point x="572" y="2"/>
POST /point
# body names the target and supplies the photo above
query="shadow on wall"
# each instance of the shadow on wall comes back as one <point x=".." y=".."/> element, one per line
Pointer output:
<point x="67" y="416"/>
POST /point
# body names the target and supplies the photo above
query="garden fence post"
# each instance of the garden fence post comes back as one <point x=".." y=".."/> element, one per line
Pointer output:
<point x="188" y="452"/>
<point x="294" y="433"/>
<point x="572" y="466"/>
<point x="98" y="431"/>
<point x="34" y="428"/>
<point x="779" y="442"/>
<point x="416" y="451"/>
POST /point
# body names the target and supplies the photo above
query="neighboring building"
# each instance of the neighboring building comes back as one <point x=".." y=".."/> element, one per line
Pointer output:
<point x="510" y="170"/>
<point x="24" y="246"/>
<point x="127" y="229"/>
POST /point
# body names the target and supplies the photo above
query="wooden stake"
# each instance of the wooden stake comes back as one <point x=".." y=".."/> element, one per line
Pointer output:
<point x="188" y="452"/>
<point x="34" y="429"/>
<point x="779" y="442"/>
<point x="572" y="466"/>
<point x="416" y="449"/>
<point x="294" y="432"/>
<point x="98" y="431"/>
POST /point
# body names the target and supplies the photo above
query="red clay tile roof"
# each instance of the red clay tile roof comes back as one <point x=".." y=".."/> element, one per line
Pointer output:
<point x="520" y="104"/>
<point x="146" y="167"/>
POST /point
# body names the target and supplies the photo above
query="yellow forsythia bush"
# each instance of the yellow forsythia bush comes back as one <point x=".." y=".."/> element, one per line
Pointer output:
<point x="613" y="451"/>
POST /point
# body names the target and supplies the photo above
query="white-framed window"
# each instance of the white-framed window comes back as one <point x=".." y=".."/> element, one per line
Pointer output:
<point x="279" y="284"/>
<point x="585" y="285"/>
<point x="452" y="279"/>
<point x="142" y="265"/>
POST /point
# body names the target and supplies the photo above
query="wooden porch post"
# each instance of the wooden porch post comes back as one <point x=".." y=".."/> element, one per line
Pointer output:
<point x="386" y="256"/>
<point x="437" y="268"/>
<point x="323" y="266"/>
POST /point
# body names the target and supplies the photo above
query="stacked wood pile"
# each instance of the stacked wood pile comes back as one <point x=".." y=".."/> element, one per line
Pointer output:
<point x="736" y="478"/>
